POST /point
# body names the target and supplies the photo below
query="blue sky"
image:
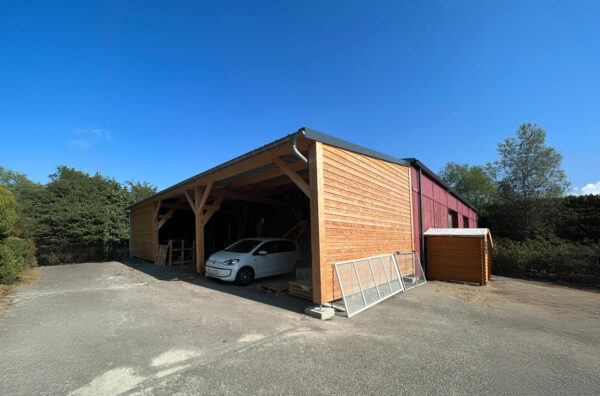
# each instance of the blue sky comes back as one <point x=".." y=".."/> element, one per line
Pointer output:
<point x="159" y="91"/>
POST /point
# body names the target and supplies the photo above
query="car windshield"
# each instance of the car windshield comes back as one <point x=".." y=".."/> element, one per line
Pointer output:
<point x="243" y="246"/>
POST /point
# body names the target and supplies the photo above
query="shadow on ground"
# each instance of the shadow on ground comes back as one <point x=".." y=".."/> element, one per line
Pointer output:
<point x="254" y="292"/>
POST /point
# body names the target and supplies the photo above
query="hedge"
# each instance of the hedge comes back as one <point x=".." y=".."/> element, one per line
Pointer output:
<point x="552" y="259"/>
<point x="16" y="256"/>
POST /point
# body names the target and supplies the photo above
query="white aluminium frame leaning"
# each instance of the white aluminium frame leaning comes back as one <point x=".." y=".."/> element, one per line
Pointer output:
<point x="401" y="288"/>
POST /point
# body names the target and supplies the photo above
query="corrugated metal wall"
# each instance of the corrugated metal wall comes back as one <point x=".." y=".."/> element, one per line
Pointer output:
<point x="436" y="202"/>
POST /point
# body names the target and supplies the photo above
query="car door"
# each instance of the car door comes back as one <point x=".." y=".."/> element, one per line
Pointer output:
<point x="288" y="257"/>
<point x="266" y="265"/>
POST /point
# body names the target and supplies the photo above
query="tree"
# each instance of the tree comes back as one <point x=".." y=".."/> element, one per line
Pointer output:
<point x="529" y="177"/>
<point x="26" y="194"/>
<point x="8" y="211"/>
<point x="139" y="191"/>
<point x="527" y="168"/>
<point x="472" y="182"/>
<point x="80" y="217"/>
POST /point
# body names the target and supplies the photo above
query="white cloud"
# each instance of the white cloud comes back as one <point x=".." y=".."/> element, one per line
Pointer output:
<point x="85" y="144"/>
<point x="89" y="137"/>
<point x="591" y="188"/>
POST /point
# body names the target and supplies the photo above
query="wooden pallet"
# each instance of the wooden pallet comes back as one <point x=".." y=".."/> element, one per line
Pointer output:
<point x="276" y="287"/>
<point x="161" y="255"/>
<point x="301" y="288"/>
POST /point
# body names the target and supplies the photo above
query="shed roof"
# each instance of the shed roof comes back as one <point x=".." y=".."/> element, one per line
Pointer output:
<point x="305" y="133"/>
<point x="459" y="232"/>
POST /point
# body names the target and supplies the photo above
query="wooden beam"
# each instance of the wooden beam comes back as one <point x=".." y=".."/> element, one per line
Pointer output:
<point x="291" y="173"/>
<point x="155" y="227"/>
<point x="199" y="224"/>
<point x="268" y="175"/>
<point x="190" y="201"/>
<point x="157" y="206"/>
<point x="235" y="195"/>
<point x="200" y="205"/>
<point x="317" y="224"/>
<point x="214" y="208"/>
<point x="278" y="182"/>
<point x="199" y="243"/>
<point x="183" y="205"/>
<point x="166" y="217"/>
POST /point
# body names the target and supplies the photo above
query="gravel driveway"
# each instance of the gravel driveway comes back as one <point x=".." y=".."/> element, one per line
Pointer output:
<point x="131" y="327"/>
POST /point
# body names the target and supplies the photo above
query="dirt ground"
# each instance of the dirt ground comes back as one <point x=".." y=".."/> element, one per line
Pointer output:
<point x="133" y="328"/>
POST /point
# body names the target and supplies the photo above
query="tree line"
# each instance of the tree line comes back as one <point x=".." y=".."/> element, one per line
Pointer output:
<point x="75" y="217"/>
<point x="521" y="197"/>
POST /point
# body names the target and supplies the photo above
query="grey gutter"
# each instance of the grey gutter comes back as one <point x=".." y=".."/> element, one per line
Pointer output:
<point x="430" y="173"/>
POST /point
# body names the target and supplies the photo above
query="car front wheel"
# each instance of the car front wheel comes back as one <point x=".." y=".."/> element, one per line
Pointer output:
<point x="245" y="276"/>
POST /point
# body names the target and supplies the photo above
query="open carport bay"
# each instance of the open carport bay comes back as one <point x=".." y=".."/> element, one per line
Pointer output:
<point x="113" y="327"/>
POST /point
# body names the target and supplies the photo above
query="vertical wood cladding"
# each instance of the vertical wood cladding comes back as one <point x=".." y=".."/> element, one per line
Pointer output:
<point x="141" y="231"/>
<point x="366" y="211"/>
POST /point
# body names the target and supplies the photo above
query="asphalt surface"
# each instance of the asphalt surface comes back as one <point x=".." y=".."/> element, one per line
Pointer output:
<point x="112" y="328"/>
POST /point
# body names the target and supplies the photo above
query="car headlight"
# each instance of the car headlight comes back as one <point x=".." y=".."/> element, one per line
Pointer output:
<point x="232" y="261"/>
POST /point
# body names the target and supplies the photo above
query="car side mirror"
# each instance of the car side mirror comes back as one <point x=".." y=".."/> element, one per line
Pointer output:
<point x="262" y="252"/>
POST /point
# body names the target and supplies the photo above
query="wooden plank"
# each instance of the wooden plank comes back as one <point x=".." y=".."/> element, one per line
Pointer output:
<point x="317" y="231"/>
<point x="291" y="173"/>
<point x="141" y="232"/>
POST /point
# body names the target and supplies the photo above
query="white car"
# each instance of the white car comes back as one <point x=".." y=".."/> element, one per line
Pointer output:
<point x="254" y="258"/>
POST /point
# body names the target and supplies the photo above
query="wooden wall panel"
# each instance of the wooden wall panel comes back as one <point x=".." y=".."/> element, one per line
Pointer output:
<point x="366" y="211"/>
<point x="456" y="258"/>
<point x="141" y="231"/>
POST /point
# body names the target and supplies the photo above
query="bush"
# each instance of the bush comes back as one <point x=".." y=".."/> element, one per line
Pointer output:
<point x="549" y="259"/>
<point x="16" y="255"/>
<point x="8" y="211"/>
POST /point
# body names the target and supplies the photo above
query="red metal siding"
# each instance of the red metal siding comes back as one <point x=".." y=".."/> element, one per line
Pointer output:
<point x="436" y="202"/>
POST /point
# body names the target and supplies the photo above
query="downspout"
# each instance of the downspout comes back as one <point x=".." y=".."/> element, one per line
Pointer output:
<point x="294" y="139"/>
<point x="421" y="221"/>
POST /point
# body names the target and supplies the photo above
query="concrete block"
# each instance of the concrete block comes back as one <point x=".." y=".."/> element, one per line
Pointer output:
<point x="318" y="312"/>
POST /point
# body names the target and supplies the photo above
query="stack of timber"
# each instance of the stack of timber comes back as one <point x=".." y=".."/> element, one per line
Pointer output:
<point x="302" y="289"/>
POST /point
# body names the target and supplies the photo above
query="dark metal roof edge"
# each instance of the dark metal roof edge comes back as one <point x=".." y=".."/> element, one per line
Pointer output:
<point x="260" y="150"/>
<point x="430" y="173"/>
<point x="346" y="145"/>
<point x="302" y="132"/>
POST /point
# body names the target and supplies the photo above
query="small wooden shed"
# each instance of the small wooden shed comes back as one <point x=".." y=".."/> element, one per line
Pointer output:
<point x="459" y="254"/>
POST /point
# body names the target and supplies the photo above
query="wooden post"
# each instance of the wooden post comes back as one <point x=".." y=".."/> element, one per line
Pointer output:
<point x="199" y="212"/>
<point x="200" y="243"/>
<point x="317" y="229"/>
<point x="155" y="227"/>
